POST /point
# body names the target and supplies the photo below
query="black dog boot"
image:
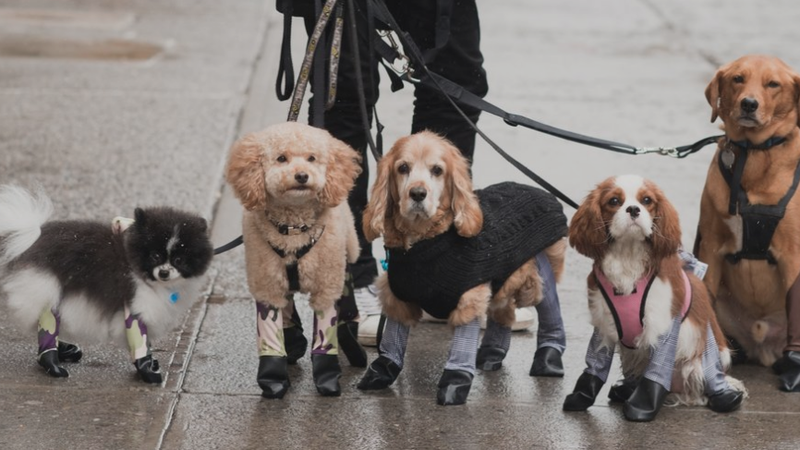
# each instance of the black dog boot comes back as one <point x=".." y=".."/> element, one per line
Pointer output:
<point x="738" y="355"/>
<point x="586" y="390"/>
<point x="347" y="333"/>
<point x="148" y="369"/>
<point x="490" y="358"/>
<point x="621" y="391"/>
<point x="788" y="367"/>
<point x="645" y="402"/>
<point x="726" y="400"/>
<point x="273" y="376"/>
<point x="379" y="375"/>
<point x="49" y="360"/>
<point x="69" y="352"/>
<point x="547" y="363"/>
<point x="453" y="387"/>
<point x="326" y="372"/>
<point x="295" y="343"/>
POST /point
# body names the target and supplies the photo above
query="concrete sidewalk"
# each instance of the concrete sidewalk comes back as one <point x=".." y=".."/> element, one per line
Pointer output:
<point x="112" y="105"/>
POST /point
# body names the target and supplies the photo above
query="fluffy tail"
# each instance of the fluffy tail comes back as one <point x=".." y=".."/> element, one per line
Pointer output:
<point x="22" y="214"/>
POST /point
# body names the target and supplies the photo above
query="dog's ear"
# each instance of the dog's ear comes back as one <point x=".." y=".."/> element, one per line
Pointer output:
<point x="139" y="216"/>
<point x="467" y="213"/>
<point x="245" y="173"/>
<point x="380" y="207"/>
<point x="587" y="229"/>
<point x="666" y="237"/>
<point x="713" y="91"/>
<point x="344" y="165"/>
<point x="796" y="79"/>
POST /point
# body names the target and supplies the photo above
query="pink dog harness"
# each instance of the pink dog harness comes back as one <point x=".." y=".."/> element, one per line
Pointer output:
<point x="628" y="310"/>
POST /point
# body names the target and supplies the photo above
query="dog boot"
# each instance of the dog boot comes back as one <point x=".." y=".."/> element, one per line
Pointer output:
<point x="645" y="401"/>
<point x="347" y="333"/>
<point x="69" y="352"/>
<point x="379" y="375"/>
<point x="490" y="358"/>
<point x="453" y="387"/>
<point x="738" y="355"/>
<point x="586" y="390"/>
<point x="621" y="390"/>
<point x="273" y="376"/>
<point x="726" y="400"/>
<point x="788" y="367"/>
<point x="49" y="361"/>
<point x="326" y="372"/>
<point x="296" y="344"/>
<point x="547" y="363"/>
<point x="148" y="369"/>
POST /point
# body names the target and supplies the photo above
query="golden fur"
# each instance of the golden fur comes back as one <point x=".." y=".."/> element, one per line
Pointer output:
<point x="265" y="170"/>
<point x="751" y="294"/>
<point x="626" y="246"/>
<point x="426" y="162"/>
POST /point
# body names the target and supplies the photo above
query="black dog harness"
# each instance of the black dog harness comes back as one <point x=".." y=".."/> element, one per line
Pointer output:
<point x="758" y="221"/>
<point x="292" y="274"/>
<point x="519" y="222"/>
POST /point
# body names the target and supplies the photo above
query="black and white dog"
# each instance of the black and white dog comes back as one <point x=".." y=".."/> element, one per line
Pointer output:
<point x="129" y="282"/>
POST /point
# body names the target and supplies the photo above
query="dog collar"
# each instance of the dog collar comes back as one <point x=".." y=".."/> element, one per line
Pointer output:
<point x="290" y="230"/>
<point x="766" y="145"/>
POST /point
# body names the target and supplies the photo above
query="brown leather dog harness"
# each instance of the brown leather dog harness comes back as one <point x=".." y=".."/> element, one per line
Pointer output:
<point x="758" y="221"/>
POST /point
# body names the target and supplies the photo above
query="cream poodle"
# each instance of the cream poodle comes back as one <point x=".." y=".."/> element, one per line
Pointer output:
<point x="299" y="235"/>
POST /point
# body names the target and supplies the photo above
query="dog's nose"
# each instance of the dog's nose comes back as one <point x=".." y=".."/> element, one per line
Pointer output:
<point x="633" y="210"/>
<point x="301" y="177"/>
<point x="418" y="194"/>
<point x="749" y="104"/>
<point x="163" y="274"/>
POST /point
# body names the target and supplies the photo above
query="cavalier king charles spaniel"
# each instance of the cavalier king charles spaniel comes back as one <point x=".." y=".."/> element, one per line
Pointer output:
<point x="643" y="302"/>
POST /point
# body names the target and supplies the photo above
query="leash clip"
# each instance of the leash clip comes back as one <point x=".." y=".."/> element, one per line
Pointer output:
<point x="664" y="151"/>
<point x="402" y="63"/>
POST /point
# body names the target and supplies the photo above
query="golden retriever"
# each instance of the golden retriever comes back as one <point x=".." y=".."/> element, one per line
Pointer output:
<point x="454" y="254"/>
<point x="749" y="215"/>
<point x="299" y="234"/>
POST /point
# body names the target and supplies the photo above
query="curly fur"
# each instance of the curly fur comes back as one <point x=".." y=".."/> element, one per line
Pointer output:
<point x="295" y="174"/>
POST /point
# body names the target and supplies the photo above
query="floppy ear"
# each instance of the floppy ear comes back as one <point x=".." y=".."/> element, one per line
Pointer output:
<point x="796" y="79"/>
<point x="666" y="237"/>
<point x="587" y="230"/>
<point x="380" y="207"/>
<point x="468" y="217"/>
<point x="713" y="91"/>
<point x="343" y="167"/>
<point x="245" y="173"/>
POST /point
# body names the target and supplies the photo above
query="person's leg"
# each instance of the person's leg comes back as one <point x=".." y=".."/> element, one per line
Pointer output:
<point x="459" y="60"/>
<point x="345" y="122"/>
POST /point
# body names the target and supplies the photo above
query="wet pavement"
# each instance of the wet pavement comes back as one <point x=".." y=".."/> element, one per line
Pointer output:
<point x="113" y="105"/>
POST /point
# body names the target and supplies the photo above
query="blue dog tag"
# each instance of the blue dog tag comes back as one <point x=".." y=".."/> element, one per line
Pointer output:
<point x="173" y="298"/>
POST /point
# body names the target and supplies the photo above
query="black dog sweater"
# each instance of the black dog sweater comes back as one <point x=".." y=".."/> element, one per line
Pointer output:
<point x="519" y="221"/>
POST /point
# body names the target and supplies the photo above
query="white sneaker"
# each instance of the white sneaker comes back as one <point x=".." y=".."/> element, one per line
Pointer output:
<point x="369" y="310"/>
<point x="523" y="319"/>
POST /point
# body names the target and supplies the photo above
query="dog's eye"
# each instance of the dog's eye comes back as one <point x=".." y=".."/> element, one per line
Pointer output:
<point x="647" y="201"/>
<point x="177" y="260"/>
<point x="403" y="169"/>
<point x="614" y="201"/>
<point x="282" y="158"/>
<point x="155" y="257"/>
<point x="312" y="158"/>
<point x="773" y="84"/>
<point x="436" y="170"/>
<point x="738" y="79"/>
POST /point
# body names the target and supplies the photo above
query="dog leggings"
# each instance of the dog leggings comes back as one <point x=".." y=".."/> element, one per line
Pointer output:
<point x="551" y="326"/>
<point x="136" y="333"/>
<point x="394" y="341"/>
<point x="713" y="372"/>
<point x="662" y="357"/>
<point x="49" y="324"/>
<point x="269" y="325"/>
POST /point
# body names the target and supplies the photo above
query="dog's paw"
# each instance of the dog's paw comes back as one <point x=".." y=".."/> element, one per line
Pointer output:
<point x="454" y="386"/>
<point x="148" y="369"/>
<point x="49" y="361"/>
<point x="69" y="352"/>
<point x="379" y="375"/>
